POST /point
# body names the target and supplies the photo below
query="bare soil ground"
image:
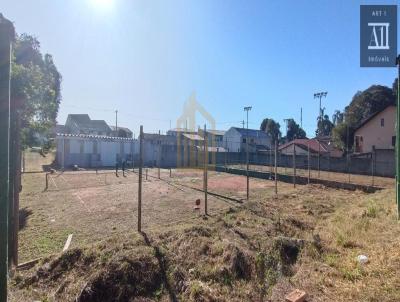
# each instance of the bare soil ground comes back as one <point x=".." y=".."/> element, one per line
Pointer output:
<point x="306" y="237"/>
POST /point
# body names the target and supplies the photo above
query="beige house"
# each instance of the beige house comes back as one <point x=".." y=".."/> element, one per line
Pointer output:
<point x="378" y="131"/>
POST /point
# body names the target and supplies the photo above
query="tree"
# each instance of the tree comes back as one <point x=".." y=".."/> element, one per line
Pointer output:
<point x="272" y="128"/>
<point x="395" y="87"/>
<point x="324" y="127"/>
<point x="364" y="104"/>
<point x="36" y="88"/>
<point x="337" y="117"/>
<point x="294" y="131"/>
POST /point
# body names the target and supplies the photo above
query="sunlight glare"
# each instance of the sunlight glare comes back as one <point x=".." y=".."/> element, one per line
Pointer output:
<point x="102" y="5"/>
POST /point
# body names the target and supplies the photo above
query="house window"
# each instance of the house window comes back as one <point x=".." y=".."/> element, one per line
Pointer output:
<point x="382" y="122"/>
<point x="359" y="144"/>
<point x="244" y="140"/>
<point x="393" y="141"/>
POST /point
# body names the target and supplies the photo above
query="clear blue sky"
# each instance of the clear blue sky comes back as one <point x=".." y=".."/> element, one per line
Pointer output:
<point x="145" y="58"/>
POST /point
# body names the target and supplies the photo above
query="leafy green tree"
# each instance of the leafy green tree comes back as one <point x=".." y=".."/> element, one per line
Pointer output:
<point x="337" y="117"/>
<point x="364" y="104"/>
<point x="294" y="131"/>
<point x="324" y="127"/>
<point x="271" y="127"/>
<point x="395" y="86"/>
<point x="36" y="88"/>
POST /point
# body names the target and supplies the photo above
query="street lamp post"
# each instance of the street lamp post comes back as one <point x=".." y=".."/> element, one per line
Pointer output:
<point x="319" y="95"/>
<point x="247" y="109"/>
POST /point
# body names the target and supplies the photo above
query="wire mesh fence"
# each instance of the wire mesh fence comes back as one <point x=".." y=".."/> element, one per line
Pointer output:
<point x="95" y="204"/>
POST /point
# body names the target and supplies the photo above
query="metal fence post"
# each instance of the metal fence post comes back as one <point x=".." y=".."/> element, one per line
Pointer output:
<point x="17" y="188"/>
<point x="6" y="37"/>
<point x="140" y="181"/>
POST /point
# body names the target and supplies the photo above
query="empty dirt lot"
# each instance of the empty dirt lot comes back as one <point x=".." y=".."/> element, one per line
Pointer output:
<point x="306" y="237"/>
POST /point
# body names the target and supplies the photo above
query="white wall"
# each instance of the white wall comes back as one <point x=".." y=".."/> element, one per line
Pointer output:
<point x="289" y="150"/>
<point x="81" y="150"/>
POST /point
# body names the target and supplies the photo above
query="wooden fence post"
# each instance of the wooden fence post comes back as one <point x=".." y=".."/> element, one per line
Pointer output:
<point x="159" y="153"/>
<point x="294" y="165"/>
<point x="205" y="176"/>
<point x="319" y="159"/>
<point x="373" y="161"/>
<point x="308" y="163"/>
<point x="140" y="181"/>
<point x="276" y="166"/>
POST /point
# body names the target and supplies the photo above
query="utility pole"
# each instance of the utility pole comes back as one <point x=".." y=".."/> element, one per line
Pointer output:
<point x="243" y="123"/>
<point x="398" y="139"/>
<point x="301" y="117"/>
<point x="319" y="96"/>
<point x="247" y="109"/>
<point x="7" y="34"/>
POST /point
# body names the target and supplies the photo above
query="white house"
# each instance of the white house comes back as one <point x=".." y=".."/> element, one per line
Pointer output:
<point x="235" y="140"/>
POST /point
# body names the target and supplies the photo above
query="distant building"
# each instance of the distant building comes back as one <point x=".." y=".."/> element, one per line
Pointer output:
<point x="121" y="132"/>
<point x="91" y="151"/>
<point x="58" y="129"/>
<point x="82" y="124"/>
<point x="179" y="131"/>
<point x="215" y="138"/>
<point x="377" y="131"/>
<point x="159" y="147"/>
<point x="235" y="140"/>
<point x="320" y="145"/>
